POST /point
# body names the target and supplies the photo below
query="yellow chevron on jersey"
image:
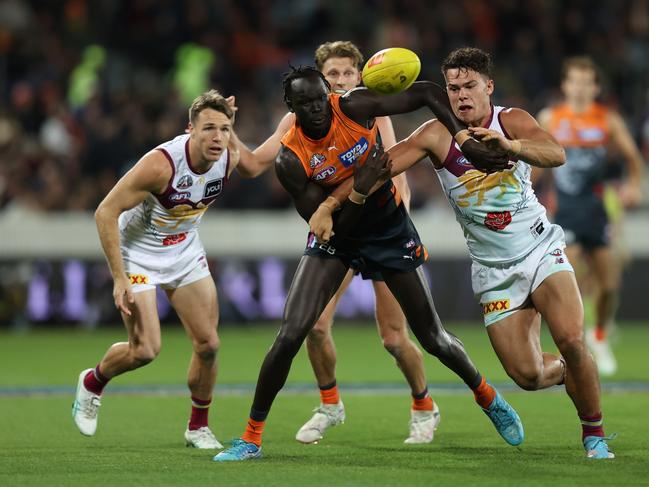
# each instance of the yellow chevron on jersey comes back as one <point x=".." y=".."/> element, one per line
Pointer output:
<point x="477" y="184"/>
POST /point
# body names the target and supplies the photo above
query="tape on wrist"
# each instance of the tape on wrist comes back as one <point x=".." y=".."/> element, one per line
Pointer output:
<point x="357" y="198"/>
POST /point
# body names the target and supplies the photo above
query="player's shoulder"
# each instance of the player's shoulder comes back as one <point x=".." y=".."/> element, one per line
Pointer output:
<point x="513" y="120"/>
<point x="514" y="113"/>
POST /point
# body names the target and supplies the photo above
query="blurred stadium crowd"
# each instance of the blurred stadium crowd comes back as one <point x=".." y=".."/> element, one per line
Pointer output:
<point x="87" y="87"/>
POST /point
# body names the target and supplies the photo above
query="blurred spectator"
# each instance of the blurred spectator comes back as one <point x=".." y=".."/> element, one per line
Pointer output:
<point x="82" y="98"/>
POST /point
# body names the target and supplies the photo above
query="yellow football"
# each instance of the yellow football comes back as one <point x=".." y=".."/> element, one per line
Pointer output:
<point x="391" y="70"/>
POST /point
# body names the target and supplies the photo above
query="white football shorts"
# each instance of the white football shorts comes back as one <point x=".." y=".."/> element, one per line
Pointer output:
<point x="148" y="270"/>
<point x="502" y="289"/>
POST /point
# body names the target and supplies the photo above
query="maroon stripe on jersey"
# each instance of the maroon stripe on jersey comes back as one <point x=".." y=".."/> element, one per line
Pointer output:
<point x="227" y="169"/>
<point x="500" y="121"/>
<point x="189" y="159"/>
<point x="455" y="162"/>
<point x="169" y="189"/>
<point x="491" y="117"/>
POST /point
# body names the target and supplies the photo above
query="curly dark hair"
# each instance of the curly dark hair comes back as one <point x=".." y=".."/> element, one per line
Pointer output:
<point x="469" y="58"/>
<point x="298" y="73"/>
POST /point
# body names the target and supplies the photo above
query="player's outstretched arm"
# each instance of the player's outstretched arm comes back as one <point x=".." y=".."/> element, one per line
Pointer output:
<point x="150" y="175"/>
<point x="529" y="142"/>
<point x="361" y="104"/>
<point x="252" y="163"/>
<point x="632" y="190"/>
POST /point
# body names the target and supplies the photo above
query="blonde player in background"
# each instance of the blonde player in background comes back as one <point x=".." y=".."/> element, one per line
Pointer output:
<point x="586" y="129"/>
<point x="340" y="62"/>
<point x="148" y="227"/>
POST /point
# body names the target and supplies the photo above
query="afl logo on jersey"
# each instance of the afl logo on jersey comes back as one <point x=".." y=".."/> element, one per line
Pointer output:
<point x="326" y="173"/>
<point x="176" y="197"/>
<point x="213" y="188"/>
<point x="316" y="160"/>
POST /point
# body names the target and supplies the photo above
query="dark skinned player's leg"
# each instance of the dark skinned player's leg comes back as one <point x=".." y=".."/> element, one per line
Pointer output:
<point x="411" y="290"/>
<point x="315" y="282"/>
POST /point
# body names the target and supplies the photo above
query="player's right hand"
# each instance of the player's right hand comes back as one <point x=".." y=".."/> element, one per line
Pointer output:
<point x="123" y="295"/>
<point x="377" y="167"/>
<point x="483" y="158"/>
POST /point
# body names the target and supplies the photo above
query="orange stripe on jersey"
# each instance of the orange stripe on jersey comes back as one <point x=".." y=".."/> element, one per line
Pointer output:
<point x="587" y="129"/>
<point x="330" y="160"/>
<point x="397" y="195"/>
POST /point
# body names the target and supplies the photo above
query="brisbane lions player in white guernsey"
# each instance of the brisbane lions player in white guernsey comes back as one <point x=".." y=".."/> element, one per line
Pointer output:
<point x="148" y="227"/>
<point x="520" y="272"/>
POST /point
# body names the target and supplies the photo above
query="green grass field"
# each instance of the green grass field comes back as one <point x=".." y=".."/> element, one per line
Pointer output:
<point x="139" y="440"/>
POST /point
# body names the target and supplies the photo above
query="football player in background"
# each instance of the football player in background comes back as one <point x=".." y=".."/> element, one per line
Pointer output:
<point x="587" y="129"/>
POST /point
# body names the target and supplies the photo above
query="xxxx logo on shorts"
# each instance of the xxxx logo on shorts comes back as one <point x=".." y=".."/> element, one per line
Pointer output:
<point x="498" y="305"/>
<point x="138" y="279"/>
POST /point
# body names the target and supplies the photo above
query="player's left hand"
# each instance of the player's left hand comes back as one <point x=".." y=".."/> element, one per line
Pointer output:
<point x="484" y="158"/>
<point x="377" y="168"/>
<point x="321" y="223"/>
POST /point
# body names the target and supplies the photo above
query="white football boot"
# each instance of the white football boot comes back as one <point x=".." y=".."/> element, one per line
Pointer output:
<point x="326" y="415"/>
<point x="423" y="425"/>
<point x="202" y="438"/>
<point x="606" y="363"/>
<point x="85" y="407"/>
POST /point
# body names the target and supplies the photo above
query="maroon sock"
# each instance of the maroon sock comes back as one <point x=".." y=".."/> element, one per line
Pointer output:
<point x="200" y="410"/>
<point x="591" y="425"/>
<point x="95" y="381"/>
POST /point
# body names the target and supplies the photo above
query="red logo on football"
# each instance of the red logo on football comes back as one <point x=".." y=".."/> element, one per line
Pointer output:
<point x="378" y="59"/>
<point x="497" y="220"/>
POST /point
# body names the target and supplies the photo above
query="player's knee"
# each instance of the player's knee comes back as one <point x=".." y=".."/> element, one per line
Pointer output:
<point x="207" y="348"/>
<point x="145" y="353"/>
<point x="571" y="345"/>
<point x="318" y="334"/>
<point x="394" y="342"/>
<point x="289" y="341"/>
<point x="528" y="378"/>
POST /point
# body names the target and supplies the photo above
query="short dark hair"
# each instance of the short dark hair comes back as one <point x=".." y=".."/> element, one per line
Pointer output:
<point x="469" y="58"/>
<point x="299" y="73"/>
<point x="580" y="62"/>
<point x="210" y="99"/>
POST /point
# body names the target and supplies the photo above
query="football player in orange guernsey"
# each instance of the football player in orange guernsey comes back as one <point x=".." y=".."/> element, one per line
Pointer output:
<point x="333" y="136"/>
<point x="586" y="129"/>
<point x="340" y="62"/>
